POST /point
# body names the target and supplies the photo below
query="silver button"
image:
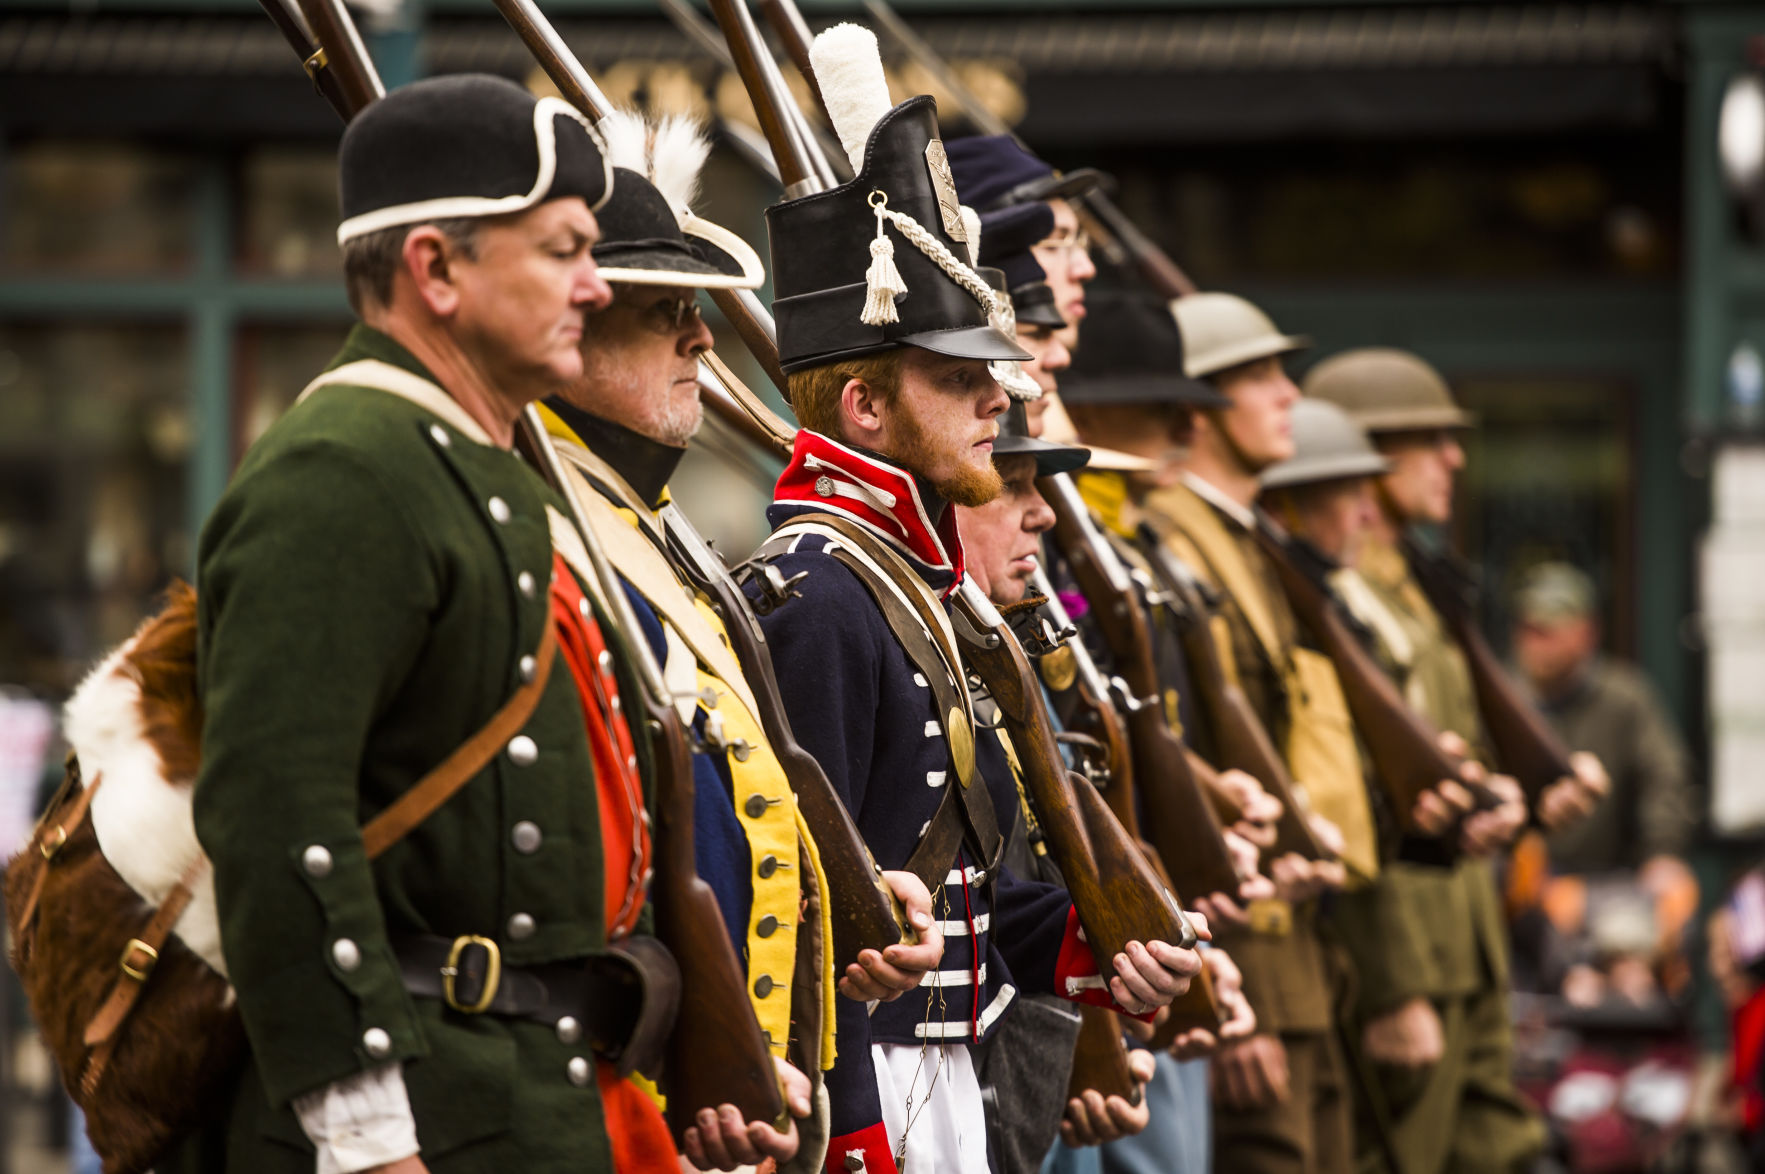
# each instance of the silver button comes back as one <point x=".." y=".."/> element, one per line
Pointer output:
<point x="631" y="762"/>
<point x="763" y="986"/>
<point x="613" y="703"/>
<point x="854" y="1162"/>
<point x="523" y="751"/>
<point x="521" y="926"/>
<point x="582" y="606"/>
<point x="605" y="660"/>
<point x="376" y="1042"/>
<point x="824" y="486"/>
<point x="346" y="954"/>
<point x="317" y="861"/>
<point x="569" y="1031"/>
<point x="439" y="435"/>
<point x="499" y="509"/>
<point x="529" y="668"/>
<point x="524" y="582"/>
<point x="525" y="836"/>
<point x="579" y="1071"/>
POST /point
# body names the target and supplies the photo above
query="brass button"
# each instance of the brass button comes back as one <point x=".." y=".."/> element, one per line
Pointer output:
<point x="768" y="865"/>
<point x="767" y="926"/>
<point x="740" y="749"/>
<point x="317" y="861"/>
<point x="499" y="509"/>
<point x="755" y="807"/>
<point x="763" y="986"/>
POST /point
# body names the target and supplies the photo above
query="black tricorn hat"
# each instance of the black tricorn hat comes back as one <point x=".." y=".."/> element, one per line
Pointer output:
<point x="822" y="253"/>
<point x="1131" y="352"/>
<point x="646" y="242"/>
<point x="464" y="145"/>
<point x="1007" y="236"/>
<point x="1014" y="440"/>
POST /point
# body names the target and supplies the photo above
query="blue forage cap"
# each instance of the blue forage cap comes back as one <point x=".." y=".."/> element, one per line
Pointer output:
<point x="997" y="171"/>
<point x="1007" y="236"/>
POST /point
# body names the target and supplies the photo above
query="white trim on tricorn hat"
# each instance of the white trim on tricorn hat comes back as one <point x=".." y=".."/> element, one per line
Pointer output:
<point x="545" y="111"/>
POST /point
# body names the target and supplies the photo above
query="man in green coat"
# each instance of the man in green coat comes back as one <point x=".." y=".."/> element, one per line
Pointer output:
<point x="377" y="581"/>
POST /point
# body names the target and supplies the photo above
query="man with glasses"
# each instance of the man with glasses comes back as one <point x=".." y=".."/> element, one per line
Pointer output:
<point x="623" y="429"/>
<point x="996" y="171"/>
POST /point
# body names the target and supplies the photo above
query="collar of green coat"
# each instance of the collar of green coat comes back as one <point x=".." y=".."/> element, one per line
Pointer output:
<point x="364" y="342"/>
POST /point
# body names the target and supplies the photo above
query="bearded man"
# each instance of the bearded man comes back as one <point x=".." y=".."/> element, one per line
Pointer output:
<point x="886" y="333"/>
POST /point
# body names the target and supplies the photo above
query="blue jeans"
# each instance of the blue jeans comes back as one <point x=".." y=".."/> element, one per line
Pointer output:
<point x="1177" y="1138"/>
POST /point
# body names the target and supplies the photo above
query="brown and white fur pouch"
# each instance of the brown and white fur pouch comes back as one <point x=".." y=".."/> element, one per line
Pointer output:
<point x="147" y="1059"/>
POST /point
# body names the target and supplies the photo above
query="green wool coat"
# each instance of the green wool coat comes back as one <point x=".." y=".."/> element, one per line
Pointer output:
<point x="362" y="614"/>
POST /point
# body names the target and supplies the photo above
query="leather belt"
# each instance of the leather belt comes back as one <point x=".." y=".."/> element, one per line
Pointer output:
<point x="606" y="1001"/>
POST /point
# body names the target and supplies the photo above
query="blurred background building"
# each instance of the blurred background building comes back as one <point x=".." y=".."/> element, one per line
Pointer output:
<point x="1528" y="194"/>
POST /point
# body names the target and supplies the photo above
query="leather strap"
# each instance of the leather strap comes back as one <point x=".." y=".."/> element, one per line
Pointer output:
<point x="136" y="965"/>
<point x="51" y="837"/>
<point x="439" y="785"/>
<point x="141" y="955"/>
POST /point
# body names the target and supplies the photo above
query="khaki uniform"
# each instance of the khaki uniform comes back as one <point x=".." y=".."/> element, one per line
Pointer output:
<point x="1435" y="933"/>
<point x="1289" y="977"/>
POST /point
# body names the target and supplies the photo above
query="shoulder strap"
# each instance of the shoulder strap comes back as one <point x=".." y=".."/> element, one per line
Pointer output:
<point x="439" y="785"/>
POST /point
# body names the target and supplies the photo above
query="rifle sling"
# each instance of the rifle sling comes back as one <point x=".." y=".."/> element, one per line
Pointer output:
<point x="966" y="811"/>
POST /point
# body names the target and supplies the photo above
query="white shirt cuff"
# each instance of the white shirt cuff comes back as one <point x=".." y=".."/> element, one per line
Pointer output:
<point x="361" y="1121"/>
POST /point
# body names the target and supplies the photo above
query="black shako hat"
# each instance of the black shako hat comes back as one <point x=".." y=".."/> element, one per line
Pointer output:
<point x="1131" y="352"/>
<point x="649" y="234"/>
<point x="1014" y="440"/>
<point x="997" y="171"/>
<point x="894" y="230"/>
<point x="464" y="145"/>
<point x="1007" y="236"/>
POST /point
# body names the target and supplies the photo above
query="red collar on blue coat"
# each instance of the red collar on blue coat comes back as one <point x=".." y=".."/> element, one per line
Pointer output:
<point x="829" y="476"/>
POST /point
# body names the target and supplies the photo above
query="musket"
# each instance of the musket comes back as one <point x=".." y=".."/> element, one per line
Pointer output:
<point x="1105" y="219"/>
<point x="1094" y="716"/>
<point x="716" y="1053"/>
<point x="1524" y="743"/>
<point x="1183" y="826"/>
<point x="1239" y="740"/>
<point x="287" y="17"/>
<point x="1404" y="745"/>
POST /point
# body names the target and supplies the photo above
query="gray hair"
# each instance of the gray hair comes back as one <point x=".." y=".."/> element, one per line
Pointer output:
<point x="371" y="261"/>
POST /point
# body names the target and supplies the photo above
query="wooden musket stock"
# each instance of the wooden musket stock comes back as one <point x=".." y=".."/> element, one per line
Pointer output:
<point x="1181" y="823"/>
<point x="1403" y="744"/>
<point x="1239" y="740"/>
<point x="1525" y="744"/>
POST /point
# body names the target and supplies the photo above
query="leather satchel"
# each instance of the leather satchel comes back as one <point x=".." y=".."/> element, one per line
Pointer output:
<point x="141" y="1022"/>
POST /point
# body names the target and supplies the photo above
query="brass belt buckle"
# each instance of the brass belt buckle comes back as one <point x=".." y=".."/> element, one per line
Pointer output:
<point x="493" y="973"/>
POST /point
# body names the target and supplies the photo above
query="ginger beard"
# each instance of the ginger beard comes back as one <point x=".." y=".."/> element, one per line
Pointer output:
<point x="935" y="426"/>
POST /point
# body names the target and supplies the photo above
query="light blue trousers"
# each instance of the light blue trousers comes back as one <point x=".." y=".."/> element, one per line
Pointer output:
<point x="1178" y="1137"/>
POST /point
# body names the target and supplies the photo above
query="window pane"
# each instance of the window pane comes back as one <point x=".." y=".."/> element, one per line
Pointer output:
<point x="278" y="361"/>
<point x="95" y="433"/>
<point x="96" y="208"/>
<point x="290" y="212"/>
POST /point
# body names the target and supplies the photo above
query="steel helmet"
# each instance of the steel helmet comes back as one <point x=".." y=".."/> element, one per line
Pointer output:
<point x="1222" y="330"/>
<point x="1387" y="390"/>
<point x="1327" y="446"/>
